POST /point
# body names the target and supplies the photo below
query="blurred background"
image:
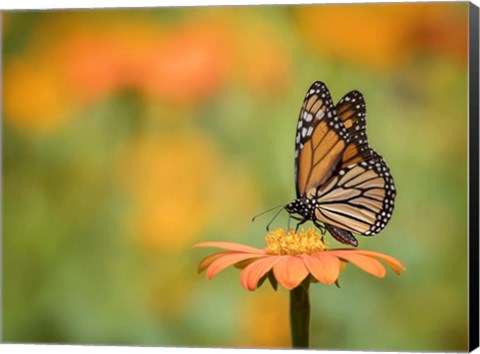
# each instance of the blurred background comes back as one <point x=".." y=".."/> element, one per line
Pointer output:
<point x="130" y="135"/>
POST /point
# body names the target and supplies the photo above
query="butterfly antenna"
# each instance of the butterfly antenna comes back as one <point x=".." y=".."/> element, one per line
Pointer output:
<point x="266" y="211"/>
<point x="274" y="217"/>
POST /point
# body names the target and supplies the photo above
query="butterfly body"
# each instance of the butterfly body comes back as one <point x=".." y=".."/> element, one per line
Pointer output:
<point x="305" y="207"/>
<point x="342" y="184"/>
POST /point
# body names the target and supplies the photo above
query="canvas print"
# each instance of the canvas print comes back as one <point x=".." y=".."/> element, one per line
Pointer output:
<point x="237" y="177"/>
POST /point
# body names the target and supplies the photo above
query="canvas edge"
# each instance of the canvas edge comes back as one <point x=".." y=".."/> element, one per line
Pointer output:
<point x="473" y="176"/>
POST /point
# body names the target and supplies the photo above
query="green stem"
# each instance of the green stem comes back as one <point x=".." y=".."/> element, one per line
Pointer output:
<point x="300" y="316"/>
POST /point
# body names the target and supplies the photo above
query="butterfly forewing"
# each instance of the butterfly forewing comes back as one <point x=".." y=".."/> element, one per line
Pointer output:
<point x="351" y="110"/>
<point x="360" y="198"/>
<point x="320" y="140"/>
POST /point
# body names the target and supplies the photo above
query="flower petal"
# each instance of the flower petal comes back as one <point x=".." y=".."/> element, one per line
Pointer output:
<point x="393" y="263"/>
<point x="205" y="263"/>
<point x="251" y="275"/>
<point x="232" y="246"/>
<point x="366" y="263"/>
<point x="324" y="267"/>
<point x="290" y="271"/>
<point x="227" y="260"/>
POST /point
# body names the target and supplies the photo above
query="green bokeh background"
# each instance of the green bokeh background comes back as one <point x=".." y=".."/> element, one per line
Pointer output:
<point x="113" y="168"/>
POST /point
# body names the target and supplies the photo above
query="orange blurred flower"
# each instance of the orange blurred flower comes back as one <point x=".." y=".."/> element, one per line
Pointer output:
<point x="184" y="63"/>
<point x="384" y="36"/>
<point x="190" y="64"/>
<point x="372" y="35"/>
<point x="290" y="257"/>
<point x="444" y="30"/>
<point x="98" y="61"/>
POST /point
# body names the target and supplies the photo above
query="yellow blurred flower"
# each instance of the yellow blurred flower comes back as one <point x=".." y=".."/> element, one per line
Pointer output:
<point x="35" y="98"/>
<point x="175" y="182"/>
<point x="263" y="61"/>
<point x="267" y="323"/>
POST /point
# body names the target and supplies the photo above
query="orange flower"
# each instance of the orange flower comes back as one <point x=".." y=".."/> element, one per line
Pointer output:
<point x="289" y="258"/>
<point x="190" y="64"/>
<point x="377" y="36"/>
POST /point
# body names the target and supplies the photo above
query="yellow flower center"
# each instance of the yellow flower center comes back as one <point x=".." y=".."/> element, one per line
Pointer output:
<point x="281" y="242"/>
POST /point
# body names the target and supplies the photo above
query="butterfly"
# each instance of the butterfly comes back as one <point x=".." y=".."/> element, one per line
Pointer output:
<point x="342" y="184"/>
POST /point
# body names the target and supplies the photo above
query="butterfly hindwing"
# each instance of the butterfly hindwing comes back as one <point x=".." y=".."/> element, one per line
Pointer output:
<point x="359" y="199"/>
<point x="320" y="140"/>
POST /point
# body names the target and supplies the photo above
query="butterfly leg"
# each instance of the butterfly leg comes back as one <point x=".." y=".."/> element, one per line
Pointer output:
<point x="321" y="227"/>
<point x="302" y="221"/>
<point x="290" y="216"/>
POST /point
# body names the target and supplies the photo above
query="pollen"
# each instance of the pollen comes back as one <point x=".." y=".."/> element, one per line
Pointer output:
<point x="292" y="243"/>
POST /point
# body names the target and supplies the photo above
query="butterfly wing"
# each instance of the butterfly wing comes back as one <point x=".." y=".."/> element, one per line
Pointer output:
<point x="320" y="141"/>
<point x="359" y="198"/>
<point x="351" y="110"/>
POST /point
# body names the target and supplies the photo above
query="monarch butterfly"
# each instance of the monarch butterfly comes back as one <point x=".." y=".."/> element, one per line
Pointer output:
<point x="340" y="181"/>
